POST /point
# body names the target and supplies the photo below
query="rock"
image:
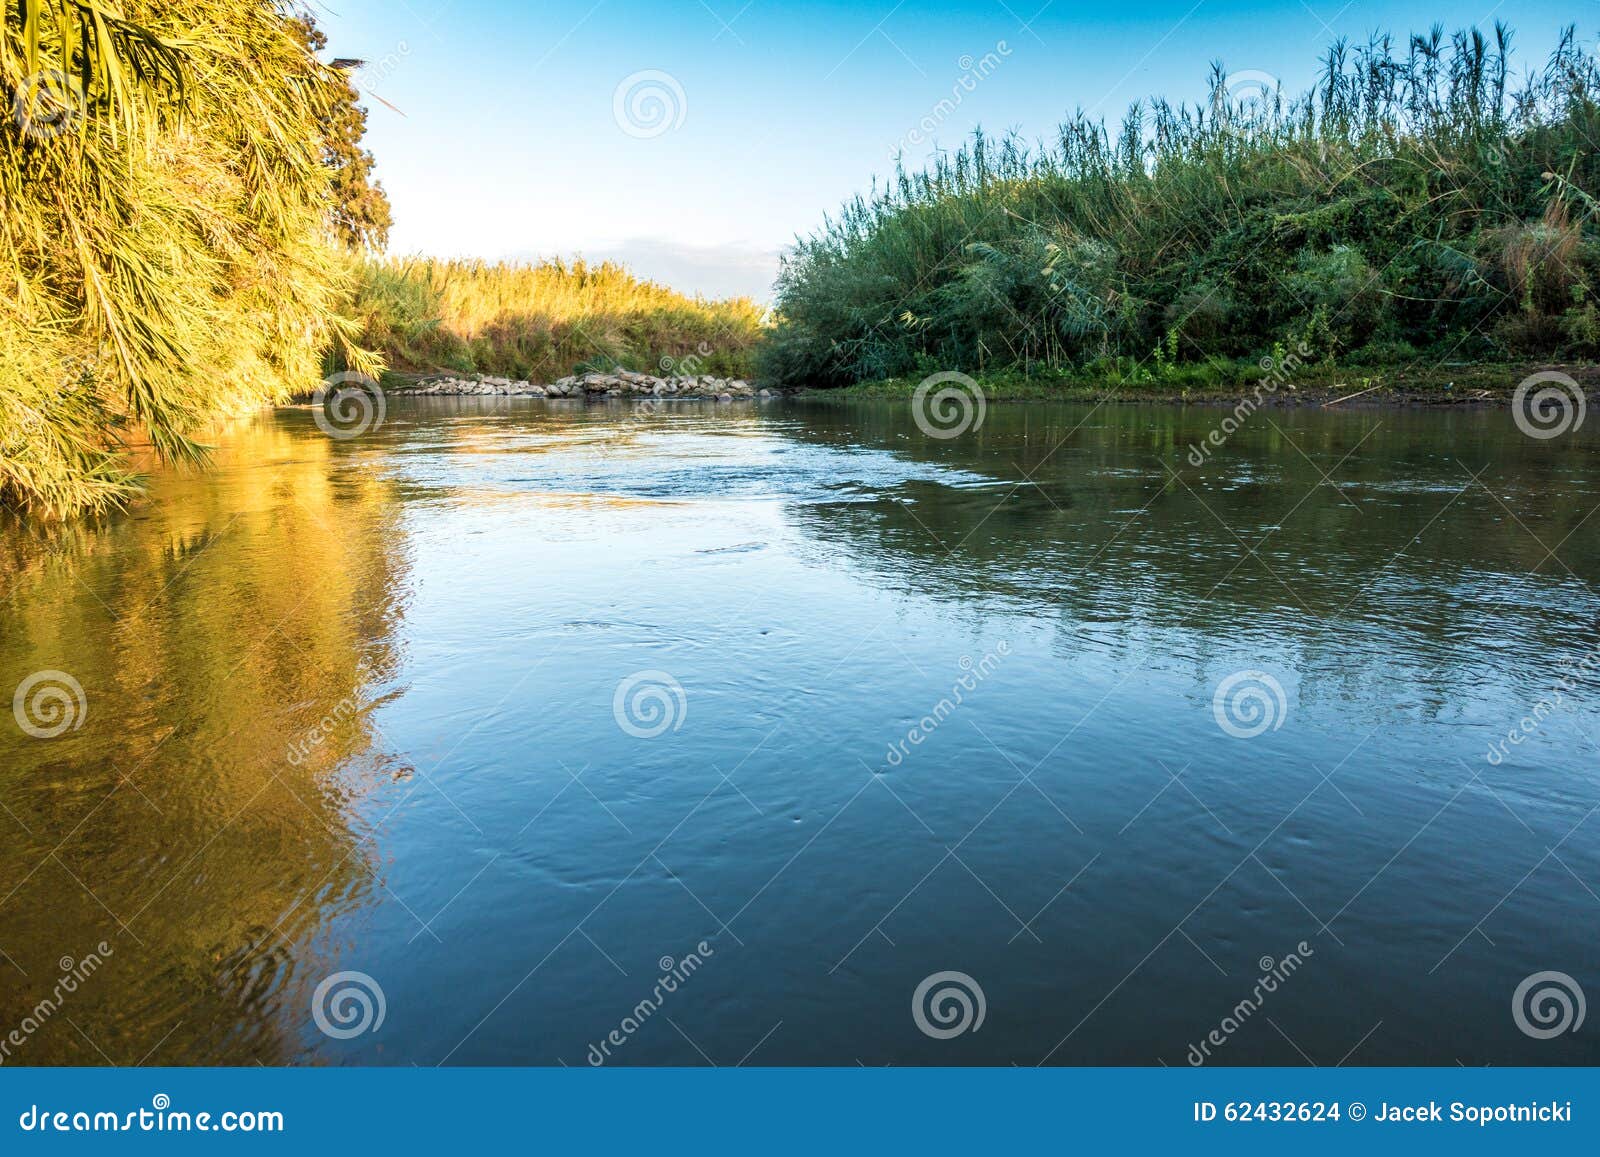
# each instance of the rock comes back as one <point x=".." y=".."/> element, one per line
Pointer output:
<point x="724" y="397"/>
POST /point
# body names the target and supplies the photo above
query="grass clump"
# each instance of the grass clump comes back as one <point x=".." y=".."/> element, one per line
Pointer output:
<point x="542" y="321"/>
<point x="1415" y="204"/>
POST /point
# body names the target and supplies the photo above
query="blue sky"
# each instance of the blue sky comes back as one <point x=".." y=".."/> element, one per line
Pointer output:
<point x="694" y="138"/>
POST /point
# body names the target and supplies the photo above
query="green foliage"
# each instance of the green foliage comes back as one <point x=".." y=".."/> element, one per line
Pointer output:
<point x="1410" y="201"/>
<point x="165" y="238"/>
<point x="362" y="215"/>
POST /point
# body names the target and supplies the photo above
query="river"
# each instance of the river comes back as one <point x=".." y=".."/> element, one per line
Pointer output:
<point x="524" y="732"/>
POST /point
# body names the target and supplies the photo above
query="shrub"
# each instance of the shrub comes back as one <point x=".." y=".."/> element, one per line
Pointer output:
<point x="1410" y="194"/>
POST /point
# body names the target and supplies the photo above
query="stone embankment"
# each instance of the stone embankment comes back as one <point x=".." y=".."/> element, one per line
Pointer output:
<point x="618" y="384"/>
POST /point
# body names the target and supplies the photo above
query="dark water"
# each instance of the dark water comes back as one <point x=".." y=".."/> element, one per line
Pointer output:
<point x="925" y="706"/>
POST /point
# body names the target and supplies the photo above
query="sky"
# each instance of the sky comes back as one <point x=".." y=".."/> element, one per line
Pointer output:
<point x="695" y="139"/>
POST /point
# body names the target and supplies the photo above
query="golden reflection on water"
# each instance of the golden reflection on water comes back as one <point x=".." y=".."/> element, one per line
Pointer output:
<point x="200" y="824"/>
<point x="216" y="821"/>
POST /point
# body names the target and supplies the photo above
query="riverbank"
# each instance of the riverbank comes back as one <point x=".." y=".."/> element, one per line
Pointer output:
<point x="619" y="383"/>
<point x="1462" y="385"/>
<point x="1412" y="207"/>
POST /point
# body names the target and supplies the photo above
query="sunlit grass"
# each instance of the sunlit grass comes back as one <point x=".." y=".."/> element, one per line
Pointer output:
<point x="542" y="321"/>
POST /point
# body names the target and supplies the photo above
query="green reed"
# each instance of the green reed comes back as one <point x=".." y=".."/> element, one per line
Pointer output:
<point x="1414" y="204"/>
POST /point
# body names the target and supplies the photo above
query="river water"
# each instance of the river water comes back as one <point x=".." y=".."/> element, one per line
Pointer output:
<point x="522" y="732"/>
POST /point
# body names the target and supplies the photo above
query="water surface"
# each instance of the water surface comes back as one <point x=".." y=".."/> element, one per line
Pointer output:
<point x="924" y="706"/>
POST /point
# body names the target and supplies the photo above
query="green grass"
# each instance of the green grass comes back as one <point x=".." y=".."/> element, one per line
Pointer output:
<point x="1414" y="208"/>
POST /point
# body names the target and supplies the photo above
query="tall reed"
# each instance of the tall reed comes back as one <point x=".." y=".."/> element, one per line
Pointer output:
<point x="1413" y="203"/>
<point x="541" y="321"/>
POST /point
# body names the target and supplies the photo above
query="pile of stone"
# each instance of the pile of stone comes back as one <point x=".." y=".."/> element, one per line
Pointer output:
<point x="617" y="384"/>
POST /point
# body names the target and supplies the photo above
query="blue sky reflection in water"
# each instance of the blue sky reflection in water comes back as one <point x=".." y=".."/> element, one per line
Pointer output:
<point x="360" y="706"/>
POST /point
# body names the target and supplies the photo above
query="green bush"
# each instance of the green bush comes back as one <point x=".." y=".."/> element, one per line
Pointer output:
<point x="1410" y="201"/>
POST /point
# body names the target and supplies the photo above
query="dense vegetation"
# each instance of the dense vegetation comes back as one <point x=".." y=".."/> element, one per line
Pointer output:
<point x="190" y="229"/>
<point x="166" y="234"/>
<point x="538" y="322"/>
<point x="362" y="215"/>
<point x="1415" y="204"/>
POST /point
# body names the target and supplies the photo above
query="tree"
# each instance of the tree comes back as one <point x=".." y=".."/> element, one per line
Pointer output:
<point x="361" y="211"/>
<point x="165" y="240"/>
